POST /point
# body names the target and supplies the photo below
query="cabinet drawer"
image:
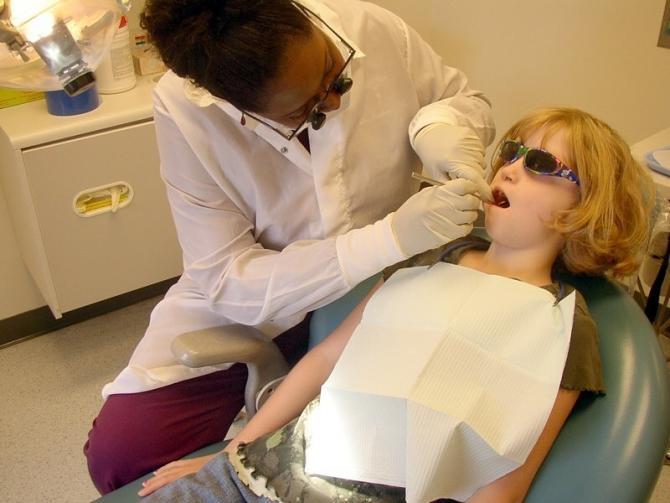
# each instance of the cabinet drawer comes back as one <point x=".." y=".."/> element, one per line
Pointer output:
<point x="95" y="258"/>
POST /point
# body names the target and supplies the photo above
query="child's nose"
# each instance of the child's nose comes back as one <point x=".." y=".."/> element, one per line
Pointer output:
<point x="512" y="171"/>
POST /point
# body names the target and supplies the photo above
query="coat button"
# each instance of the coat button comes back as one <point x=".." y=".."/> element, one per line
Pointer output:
<point x="284" y="150"/>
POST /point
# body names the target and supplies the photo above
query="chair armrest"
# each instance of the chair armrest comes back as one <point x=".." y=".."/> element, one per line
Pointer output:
<point x="231" y="344"/>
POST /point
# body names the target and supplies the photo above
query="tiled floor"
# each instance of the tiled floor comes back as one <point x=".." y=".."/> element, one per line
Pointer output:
<point x="50" y="394"/>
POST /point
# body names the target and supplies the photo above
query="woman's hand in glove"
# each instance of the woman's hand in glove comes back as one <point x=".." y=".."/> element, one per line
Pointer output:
<point x="452" y="152"/>
<point x="435" y="215"/>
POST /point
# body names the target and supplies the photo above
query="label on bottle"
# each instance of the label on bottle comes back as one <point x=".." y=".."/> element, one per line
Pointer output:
<point x="116" y="72"/>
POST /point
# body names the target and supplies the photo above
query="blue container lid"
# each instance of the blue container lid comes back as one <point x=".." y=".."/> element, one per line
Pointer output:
<point x="61" y="103"/>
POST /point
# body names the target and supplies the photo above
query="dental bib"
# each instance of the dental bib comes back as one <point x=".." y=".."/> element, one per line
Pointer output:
<point x="445" y="385"/>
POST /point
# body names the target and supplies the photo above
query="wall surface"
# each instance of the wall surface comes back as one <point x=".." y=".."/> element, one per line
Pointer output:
<point x="134" y="14"/>
<point x="599" y="55"/>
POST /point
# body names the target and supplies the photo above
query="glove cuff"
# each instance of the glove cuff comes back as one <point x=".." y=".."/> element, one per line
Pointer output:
<point x="366" y="251"/>
<point x="416" y="138"/>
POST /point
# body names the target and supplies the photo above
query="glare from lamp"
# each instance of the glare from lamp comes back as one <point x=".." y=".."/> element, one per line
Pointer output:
<point x="26" y="9"/>
<point x="66" y="39"/>
<point x="63" y="57"/>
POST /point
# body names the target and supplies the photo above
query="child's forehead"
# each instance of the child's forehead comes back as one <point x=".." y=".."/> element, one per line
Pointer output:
<point x="553" y="137"/>
<point x="544" y="133"/>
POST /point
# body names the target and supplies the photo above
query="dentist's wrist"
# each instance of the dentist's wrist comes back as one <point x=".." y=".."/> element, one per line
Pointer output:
<point x="368" y="250"/>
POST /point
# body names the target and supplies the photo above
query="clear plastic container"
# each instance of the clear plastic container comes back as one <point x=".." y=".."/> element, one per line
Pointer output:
<point x="116" y="72"/>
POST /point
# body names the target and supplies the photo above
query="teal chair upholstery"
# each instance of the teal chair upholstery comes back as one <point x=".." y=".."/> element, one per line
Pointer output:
<point x="611" y="448"/>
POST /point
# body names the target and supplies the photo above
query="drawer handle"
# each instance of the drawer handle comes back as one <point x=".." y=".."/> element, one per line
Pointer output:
<point x="102" y="199"/>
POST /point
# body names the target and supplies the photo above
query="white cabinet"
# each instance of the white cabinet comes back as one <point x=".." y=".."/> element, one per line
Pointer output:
<point x="75" y="260"/>
<point x="651" y="264"/>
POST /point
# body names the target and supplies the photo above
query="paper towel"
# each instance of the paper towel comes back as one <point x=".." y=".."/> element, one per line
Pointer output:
<point x="445" y="385"/>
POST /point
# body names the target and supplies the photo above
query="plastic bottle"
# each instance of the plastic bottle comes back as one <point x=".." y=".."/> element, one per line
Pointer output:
<point x="116" y="72"/>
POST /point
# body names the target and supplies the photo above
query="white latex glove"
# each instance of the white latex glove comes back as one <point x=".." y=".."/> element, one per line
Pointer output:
<point x="450" y="152"/>
<point x="434" y="216"/>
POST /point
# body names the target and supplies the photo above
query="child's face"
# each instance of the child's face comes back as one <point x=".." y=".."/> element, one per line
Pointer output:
<point x="533" y="199"/>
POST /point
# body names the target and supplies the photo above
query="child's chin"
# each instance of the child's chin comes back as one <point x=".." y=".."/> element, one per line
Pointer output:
<point x="493" y="225"/>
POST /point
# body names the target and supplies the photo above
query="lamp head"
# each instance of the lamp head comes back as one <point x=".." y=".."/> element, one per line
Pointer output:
<point x="55" y="44"/>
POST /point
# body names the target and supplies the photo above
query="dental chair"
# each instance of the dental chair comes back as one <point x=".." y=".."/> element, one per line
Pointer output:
<point x="611" y="448"/>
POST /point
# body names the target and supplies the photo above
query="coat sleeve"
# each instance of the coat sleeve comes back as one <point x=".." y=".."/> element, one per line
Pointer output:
<point x="243" y="281"/>
<point x="443" y="92"/>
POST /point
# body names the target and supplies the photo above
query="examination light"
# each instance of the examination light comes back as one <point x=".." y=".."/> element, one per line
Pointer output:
<point x="55" y="44"/>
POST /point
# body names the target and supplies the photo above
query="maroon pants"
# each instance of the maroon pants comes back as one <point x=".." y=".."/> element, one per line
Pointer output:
<point x="137" y="433"/>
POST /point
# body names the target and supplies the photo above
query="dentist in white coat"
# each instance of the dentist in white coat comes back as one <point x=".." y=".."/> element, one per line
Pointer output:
<point x="288" y="132"/>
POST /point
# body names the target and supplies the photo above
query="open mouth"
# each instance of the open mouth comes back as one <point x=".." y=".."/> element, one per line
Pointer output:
<point x="500" y="199"/>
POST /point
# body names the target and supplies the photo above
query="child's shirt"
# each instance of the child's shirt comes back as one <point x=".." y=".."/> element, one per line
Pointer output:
<point x="273" y="465"/>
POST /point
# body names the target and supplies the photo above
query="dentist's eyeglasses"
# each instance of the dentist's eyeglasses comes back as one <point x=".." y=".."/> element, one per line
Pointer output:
<point x="341" y="85"/>
<point x="536" y="160"/>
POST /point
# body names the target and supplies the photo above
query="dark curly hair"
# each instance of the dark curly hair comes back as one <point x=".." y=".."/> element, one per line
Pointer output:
<point x="232" y="48"/>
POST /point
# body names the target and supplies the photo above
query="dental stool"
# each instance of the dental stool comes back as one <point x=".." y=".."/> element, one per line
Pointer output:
<point x="611" y="448"/>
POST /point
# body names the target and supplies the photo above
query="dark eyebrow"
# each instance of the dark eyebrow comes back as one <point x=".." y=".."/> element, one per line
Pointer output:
<point x="326" y="71"/>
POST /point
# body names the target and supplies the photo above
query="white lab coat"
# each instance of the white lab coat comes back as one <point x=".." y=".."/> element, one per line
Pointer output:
<point x="258" y="218"/>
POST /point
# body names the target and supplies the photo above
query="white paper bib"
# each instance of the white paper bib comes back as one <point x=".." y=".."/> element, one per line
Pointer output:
<point x="445" y="385"/>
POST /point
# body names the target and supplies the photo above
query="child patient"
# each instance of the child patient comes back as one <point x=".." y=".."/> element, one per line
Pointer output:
<point x="567" y="195"/>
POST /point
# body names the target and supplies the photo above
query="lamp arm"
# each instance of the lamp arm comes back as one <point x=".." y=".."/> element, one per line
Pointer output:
<point x="12" y="38"/>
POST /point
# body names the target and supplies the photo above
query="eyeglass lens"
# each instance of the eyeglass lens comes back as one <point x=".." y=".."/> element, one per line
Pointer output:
<point x="341" y="86"/>
<point x="541" y="162"/>
<point x="535" y="160"/>
<point x="509" y="152"/>
<point x="317" y="120"/>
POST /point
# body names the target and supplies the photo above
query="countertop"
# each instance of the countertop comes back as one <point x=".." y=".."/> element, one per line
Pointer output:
<point x="639" y="150"/>
<point x="30" y="125"/>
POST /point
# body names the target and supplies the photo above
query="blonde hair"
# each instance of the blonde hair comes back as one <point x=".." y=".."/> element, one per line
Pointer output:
<point x="608" y="228"/>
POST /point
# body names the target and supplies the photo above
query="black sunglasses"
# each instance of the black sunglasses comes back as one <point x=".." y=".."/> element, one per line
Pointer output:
<point x="536" y="160"/>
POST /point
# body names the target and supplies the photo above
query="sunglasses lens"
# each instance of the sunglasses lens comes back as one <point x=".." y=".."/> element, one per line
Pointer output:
<point x="317" y="119"/>
<point x="509" y="151"/>
<point x="541" y="162"/>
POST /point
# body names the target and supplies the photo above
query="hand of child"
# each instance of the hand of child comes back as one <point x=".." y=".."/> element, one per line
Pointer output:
<point x="171" y="472"/>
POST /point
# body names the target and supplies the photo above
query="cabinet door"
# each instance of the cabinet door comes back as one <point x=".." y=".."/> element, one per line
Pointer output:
<point x="95" y="258"/>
